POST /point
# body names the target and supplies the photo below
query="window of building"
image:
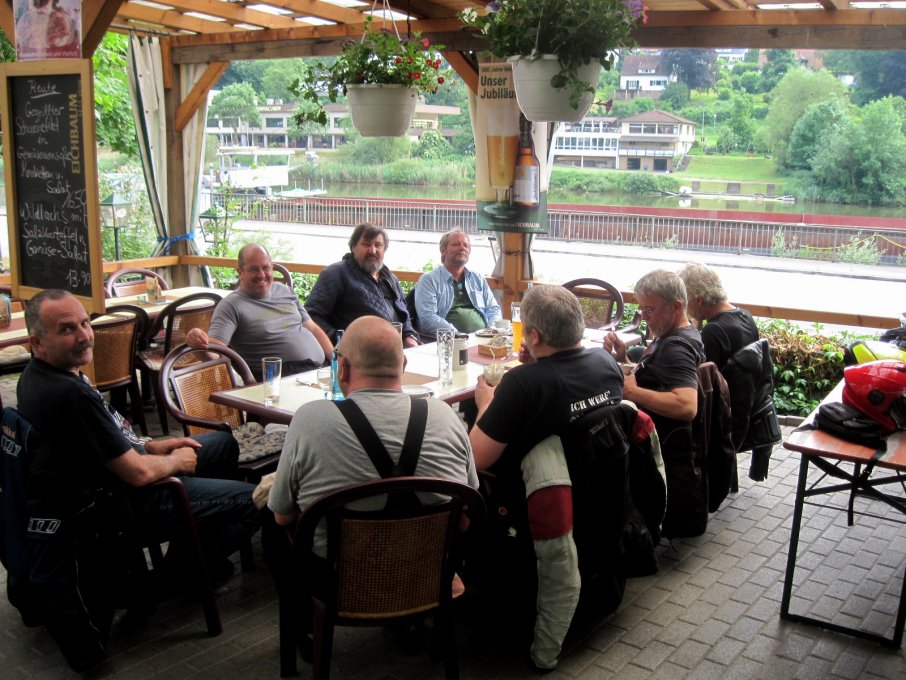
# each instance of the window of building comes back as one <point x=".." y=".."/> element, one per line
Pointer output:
<point x="633" y="164"/>
<point x="632" y="84"/>
<point x="274" y="123"/>
<point x="666" y="129"/>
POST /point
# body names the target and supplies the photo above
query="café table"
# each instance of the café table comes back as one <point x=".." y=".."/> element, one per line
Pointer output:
<point x="856" y="471"/>
<point x="421" y="369"/>
<point x="16" y="333"/>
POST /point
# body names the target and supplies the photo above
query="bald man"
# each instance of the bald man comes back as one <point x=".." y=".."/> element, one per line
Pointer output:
<point x="322" y="453"/>
<point x="262" y="318"/>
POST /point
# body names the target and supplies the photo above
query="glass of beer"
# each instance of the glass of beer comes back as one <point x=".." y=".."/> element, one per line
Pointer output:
<point x="502" y="138"/>
<point x="516" y="320"/>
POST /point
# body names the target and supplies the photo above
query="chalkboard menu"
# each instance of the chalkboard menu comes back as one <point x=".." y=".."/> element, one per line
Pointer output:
<point x="51" y="175"/>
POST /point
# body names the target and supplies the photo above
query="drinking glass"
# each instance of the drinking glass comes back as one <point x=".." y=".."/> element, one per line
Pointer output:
<point x="516" y="319"/>
<point x="445" y="343"/>
<point x="271" y="369"/>
<point x="398" y="326"/>
<point x="325" y="380"/>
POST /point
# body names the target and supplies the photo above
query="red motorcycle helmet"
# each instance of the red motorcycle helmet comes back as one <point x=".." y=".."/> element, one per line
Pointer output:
<point x="878" y="389"/>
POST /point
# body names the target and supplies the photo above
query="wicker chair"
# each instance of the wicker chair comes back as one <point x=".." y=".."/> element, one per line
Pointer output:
<point x="193" y="375"/>
<point x="116" y="342"/>
<point x="174" y="322"/>
<point x="383" y="566"/>
<point x="131" y="281"/>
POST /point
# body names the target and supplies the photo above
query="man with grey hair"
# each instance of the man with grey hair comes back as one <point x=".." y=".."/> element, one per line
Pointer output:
<point x="358" y="285"/>
<point x="452" y="296"/>
<point x="664" y="383"/>
<point x="728" y="328"/>
<point x="665" y="380"/>
<point x="558" y="382"/>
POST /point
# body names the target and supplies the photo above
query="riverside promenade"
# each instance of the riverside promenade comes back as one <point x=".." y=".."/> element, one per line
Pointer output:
<point x="749" y="279"/>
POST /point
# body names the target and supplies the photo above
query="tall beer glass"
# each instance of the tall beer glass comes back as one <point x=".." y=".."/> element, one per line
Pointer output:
<point x="502" y="136"/>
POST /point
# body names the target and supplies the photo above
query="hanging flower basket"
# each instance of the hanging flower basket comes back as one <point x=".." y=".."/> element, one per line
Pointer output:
<point x="563" y="37"/>
<point x="381" y="73"/>
<point x="381" y="110"/>
<point x="539" y="100"/>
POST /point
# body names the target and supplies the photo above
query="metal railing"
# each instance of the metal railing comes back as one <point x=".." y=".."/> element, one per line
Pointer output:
<point x="659" y="228"/>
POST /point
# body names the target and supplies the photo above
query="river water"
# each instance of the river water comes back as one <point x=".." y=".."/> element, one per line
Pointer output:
<point x="607" y="198"/>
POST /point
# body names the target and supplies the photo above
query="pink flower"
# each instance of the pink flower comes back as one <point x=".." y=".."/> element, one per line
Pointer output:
<point x="399" y="60"/>
<point x="426" y="42"/>
<point x="440" y="80"/>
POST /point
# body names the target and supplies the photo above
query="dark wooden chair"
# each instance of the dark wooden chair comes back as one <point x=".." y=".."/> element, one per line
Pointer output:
<point x="283" y="275"/>
<point x="117" y="335"/>
<point x="383" y="566"/>
<point x="602" y="303"/>
<point x="131" y="281"/>
<point x="189" y="376"/>
<point x="173" y="324"/>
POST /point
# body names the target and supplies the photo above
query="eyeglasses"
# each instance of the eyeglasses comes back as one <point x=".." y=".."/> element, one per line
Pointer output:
<point x="266" y="269"/>
<point x="649" y="310"/>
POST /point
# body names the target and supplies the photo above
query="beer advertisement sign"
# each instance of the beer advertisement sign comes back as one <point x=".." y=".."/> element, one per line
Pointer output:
<point x="511" y="180"/>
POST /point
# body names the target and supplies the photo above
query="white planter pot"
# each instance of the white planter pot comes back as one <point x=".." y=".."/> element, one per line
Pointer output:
<point x="381" y="110"/>
<point x="541" y="102"/>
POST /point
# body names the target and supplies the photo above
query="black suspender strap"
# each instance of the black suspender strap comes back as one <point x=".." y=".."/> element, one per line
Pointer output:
<point x="412" y="444"/>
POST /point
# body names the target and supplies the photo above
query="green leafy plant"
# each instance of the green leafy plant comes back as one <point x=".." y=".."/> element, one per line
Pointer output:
<point x="807" y="364"/>
<point x="380" y="57"/>
<point x="575" y="31"/>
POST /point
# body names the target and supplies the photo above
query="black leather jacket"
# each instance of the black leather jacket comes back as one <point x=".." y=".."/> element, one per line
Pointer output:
<point x="750" y="376"/>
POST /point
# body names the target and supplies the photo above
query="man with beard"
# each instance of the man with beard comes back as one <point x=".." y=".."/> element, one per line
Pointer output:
<point x="262" y="319"/>
<point x="452" y="296"/>
<point x="359" y="285"/>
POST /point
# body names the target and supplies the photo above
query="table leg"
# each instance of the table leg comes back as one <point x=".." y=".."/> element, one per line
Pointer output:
<point x="794" y="538"/>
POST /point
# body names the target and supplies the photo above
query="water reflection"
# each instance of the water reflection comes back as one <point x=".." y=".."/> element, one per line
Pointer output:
<point x="606" y="198"/>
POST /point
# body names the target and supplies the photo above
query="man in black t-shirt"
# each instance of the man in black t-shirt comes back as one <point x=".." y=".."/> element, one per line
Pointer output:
<point x="664" y="383"/>
<point x="727" y="328"/>
<point x="558" y="382"/>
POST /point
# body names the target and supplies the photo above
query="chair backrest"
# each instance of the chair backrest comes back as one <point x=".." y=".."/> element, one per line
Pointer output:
<point x="602" y="303"/>
<point x="193" y="375"/>
<point x="282" y="275"/>
<point x="16" y="304"/>
<point x="131" y="281"/>
<point x="116" y="337"/>
<point x="388" y="564"/>
<point x="181" y="316"/>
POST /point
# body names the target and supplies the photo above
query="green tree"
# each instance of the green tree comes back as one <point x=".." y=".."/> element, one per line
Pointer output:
<point x="236" y="102"/>
<point x="113" y="104"/>
<point x="817" y="123"/>
<point x="864" y="161"/>
<point x="432" y="146"/>
<point x="877" y="74"/>
<point x="696" y="68"/>
<point x="742" y="123"/>
<point x="675" y="96"/>
<point x="249" y="72"/>
<point x="799" y="89"/>
<point x="277" y="77"/>
<point x="374" y="150"/>
<point x="777" y="64"/>
<point x="7" y="51"/>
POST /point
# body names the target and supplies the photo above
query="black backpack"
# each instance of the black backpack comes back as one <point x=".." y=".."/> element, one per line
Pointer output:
<point x="849" y="423"/>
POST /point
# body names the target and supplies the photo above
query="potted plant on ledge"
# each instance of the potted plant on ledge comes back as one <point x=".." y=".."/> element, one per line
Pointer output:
<point x="382" y="76"/>
<point x="559" y="44"/>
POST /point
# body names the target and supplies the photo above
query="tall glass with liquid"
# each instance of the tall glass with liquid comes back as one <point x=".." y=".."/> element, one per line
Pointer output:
<point x="502" y="138"/>
<point x="516" y="318"/>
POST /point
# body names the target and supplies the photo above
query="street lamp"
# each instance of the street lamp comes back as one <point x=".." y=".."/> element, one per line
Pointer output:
<point x="114" y="209"/>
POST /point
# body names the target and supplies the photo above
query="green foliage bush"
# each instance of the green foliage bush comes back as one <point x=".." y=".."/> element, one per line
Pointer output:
<point x="806" y="365"/>
<point x="586" y="181"/>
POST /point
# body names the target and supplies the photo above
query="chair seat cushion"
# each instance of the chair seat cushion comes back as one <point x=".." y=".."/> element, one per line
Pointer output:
<point x="255" y="443"/>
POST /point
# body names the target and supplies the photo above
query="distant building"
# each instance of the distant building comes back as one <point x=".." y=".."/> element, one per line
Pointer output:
<point x="732" y="55"/>
<point x="643" y="75"/>
<point x="275" y="131"/>
<point x="653" y="141"/>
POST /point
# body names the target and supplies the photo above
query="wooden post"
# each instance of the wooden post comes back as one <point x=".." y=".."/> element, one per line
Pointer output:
<point x="176" y="188"/>
<point x="514" y="282"/>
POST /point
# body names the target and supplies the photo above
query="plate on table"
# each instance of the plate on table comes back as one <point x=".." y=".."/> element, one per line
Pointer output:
<point x="487" y="333"/>
<point x="418" y="391"/>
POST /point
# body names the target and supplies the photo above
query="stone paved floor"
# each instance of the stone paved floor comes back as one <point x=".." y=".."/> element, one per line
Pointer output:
<point x="712" y="611"/>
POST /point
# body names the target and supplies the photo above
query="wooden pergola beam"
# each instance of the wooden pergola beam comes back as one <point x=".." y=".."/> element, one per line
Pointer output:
<point x="189" y="106"/>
